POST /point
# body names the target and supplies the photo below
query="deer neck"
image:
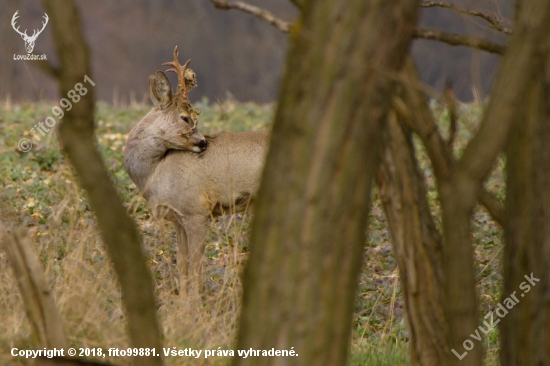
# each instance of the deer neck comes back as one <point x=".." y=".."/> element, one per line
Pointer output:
<point x="144" y="150"/>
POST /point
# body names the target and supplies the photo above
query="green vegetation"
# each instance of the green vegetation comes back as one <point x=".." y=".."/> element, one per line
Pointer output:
<point x="40" y="192"/>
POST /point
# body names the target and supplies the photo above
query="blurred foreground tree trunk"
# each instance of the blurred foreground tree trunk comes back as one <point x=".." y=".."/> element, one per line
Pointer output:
<point x="415" y="239"/>
<point x="524" y="330"/>
<point x="310" y="219"/>
<point x="76" y="134"/>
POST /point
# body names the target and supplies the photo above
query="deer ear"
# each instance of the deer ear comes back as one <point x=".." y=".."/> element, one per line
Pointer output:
<point x="160" y="90"/>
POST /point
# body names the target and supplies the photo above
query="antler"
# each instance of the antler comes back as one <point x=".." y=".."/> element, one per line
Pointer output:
<point x="13" y="19"/>
<point x="24" y="34"/>
<point x="35" y="35"/>
<point x="180" y="71"/>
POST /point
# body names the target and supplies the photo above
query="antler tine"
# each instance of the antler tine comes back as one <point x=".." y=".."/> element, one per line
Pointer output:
<point x="46" y="18"/>
<point x="184" y="67"/>
<point x="14" y="22"/>
<point x="178" y="69"/>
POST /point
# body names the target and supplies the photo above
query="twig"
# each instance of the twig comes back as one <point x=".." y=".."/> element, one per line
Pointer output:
<point x="254" y="10"/>
<point x="495" y="22"/>
<point x="460" y="40"/>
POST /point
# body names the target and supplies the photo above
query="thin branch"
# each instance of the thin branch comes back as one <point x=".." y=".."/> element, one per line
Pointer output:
<point x="460" y="40"/>
<point x="254" y="10"/>
<point x="495" y="22"/>
<point x="495" y="209"/>
<point x="452" y="39"/>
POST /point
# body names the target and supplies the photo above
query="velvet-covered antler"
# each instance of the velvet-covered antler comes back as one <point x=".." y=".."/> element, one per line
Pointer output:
<point x="180" y="70"/>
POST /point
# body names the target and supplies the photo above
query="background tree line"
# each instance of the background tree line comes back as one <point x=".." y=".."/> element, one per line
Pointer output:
<point x="231" y="52"/>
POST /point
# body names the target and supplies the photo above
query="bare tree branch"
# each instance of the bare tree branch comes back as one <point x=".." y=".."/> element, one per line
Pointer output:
<point x="420" y="119"/>
<point x="256" y="11"/>
<point x="491" y="204"/>
<point x="435" y="35"/>
<point x="460" y="40"/>
<point x="495" y="22"/>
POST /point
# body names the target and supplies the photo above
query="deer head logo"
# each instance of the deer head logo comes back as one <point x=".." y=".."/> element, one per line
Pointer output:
<point x="29" y="40"/>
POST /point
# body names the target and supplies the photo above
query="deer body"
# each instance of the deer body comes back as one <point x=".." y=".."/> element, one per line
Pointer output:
<point x="187" y="178"/>
<point x="218" y="180"/>
<point x="215" y="181"/>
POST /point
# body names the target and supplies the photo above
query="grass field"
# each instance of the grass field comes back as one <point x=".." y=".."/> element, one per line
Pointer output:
<point x="40" y="193"/>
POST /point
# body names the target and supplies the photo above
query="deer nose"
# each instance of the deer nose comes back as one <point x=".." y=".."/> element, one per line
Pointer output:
<point x="202" y="145"/>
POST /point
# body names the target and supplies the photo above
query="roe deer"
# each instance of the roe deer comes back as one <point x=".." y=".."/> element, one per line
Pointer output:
<point x="185" y="177"/>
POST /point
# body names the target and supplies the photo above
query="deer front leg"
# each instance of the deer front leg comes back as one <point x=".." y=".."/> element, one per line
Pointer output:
<point x="196" y="228"/>
<point x="183" y="253"/>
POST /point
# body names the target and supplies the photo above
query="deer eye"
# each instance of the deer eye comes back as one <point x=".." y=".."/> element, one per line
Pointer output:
<point x="185" y="118"/>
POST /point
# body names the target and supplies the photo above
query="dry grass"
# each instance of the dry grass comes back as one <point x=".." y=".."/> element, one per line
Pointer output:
<point x="88" y="297"/>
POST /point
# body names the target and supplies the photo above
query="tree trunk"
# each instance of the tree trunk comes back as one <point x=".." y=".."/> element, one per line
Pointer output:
<point x="459" y="191"/>
<point x="416" y="242"/>
<point x="310" y="221"/>
<point x="76" y="134"/>
<point x="524" y="330"/>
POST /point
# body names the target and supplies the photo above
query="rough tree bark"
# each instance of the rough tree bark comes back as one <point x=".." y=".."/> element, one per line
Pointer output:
<point x="524" y="331"/>
<point x="310" y="219"/>
<point x="76" y="134"/>
<point x="416" y="242"/>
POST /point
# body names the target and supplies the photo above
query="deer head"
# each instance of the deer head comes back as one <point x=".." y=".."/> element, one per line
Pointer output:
<point x="178" y="127"/>
<point x="29" y="40"/>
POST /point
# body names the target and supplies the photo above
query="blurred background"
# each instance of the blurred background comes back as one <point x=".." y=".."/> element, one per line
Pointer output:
<point x="231" y="52"/>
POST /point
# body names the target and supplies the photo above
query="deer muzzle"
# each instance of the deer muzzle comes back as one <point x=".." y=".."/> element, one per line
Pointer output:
<point x="199" y="142"/>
